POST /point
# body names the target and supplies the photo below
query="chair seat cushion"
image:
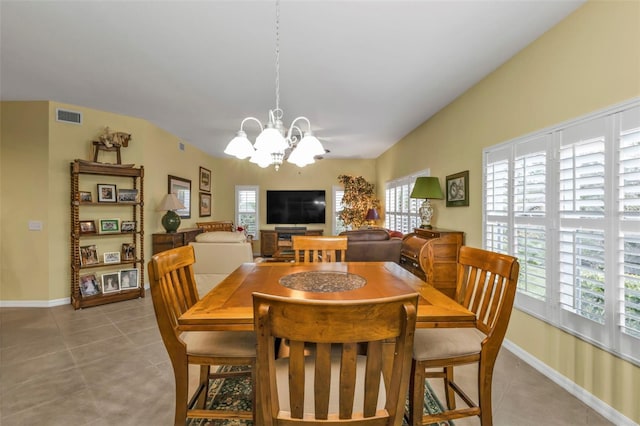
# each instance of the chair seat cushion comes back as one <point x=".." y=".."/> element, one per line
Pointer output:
<point x="220" y="343"/>
<point x="437" y="343"/>
<point x="282" y="377"/>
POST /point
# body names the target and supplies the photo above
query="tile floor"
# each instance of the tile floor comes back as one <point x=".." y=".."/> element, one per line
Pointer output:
<point x="107" y="366"/>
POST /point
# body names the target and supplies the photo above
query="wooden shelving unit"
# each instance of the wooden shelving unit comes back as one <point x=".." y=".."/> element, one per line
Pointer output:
<point x="78" y="168"/>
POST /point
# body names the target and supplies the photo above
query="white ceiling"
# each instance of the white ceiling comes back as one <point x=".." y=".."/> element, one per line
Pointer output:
<point x="364" y="72"/>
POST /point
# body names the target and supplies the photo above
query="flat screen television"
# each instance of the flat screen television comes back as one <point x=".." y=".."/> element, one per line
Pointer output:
<point x="295" y="207"/>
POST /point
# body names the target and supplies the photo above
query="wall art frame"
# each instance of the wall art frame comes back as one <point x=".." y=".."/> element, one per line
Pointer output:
<point x="205" y="179"/>
<point x="457" y="189"/>
<point x="182" y="189"/>
<point x="205" y="204"/>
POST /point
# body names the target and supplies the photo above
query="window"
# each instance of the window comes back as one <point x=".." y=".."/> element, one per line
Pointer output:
<point x="337" y="223"/>
<point x="401" y="211"/>
<point x="247" y="208"/>
<point x="566" y="202"/>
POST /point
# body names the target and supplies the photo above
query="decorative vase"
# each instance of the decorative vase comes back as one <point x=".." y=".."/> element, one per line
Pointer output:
<point x="171" y="221"/>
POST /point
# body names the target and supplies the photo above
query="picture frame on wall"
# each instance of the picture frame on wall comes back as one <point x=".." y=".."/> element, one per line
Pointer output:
<point x="457" y="189"/>
<point x="107" y="193"/>
<point x="205" y="204"/>
<point x="182" y="189"/>
<point x="205" y="179"/>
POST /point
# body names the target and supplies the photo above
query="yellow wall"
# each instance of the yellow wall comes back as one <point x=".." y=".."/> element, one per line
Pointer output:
<point x="36" y="152"/>
<point x="25" y="197"/>
<point x="589" y="61"/>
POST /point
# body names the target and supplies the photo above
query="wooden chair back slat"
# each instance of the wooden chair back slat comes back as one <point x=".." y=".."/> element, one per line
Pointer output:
<point x="483" y="284"/>
<point x="318" y="248"/>
<point x="330" y="335"/>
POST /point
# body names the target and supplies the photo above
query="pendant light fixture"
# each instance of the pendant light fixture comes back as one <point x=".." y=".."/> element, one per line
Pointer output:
<point x="274" y="141"/>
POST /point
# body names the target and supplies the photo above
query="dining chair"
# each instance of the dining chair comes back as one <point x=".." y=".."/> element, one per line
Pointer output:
<point x="334" y="384"/>
<point x="174" y="291"/>
<point x="486" y="285"/>
<point x="318" y="248"/>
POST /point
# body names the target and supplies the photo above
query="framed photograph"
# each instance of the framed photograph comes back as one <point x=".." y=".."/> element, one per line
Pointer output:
<point x="205" y="204"/>
<point x="106" y="193"/>
<point x="127" y="195"/>
<point x="85" y="197"/>
<point x="110" y="282"/>
<point x="128" y="226"/>
<point x="111" y="257"/>
<point x="109" y="225"/>
<point x="457" y="187"/>
<point x="87" y="226"/>
<point x="88" y="255"/>
<point x="182" y="189"/>
<point x="205" y="179"/>
<point x="128" y="279"/>
<point x="128" y="251"/>
<point x="89" y="285"/>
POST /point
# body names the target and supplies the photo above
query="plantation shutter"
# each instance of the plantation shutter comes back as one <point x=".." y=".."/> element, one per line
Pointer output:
<point x="529" y="213"/>
<point x="496" y="182"/>
<point x="247" y="209"/>
<point x="628" y="257"/>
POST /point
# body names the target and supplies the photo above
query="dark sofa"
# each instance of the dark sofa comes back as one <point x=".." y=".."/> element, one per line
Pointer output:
<point x="372" y="245"/>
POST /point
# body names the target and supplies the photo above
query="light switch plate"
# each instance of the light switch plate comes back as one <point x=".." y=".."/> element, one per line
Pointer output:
<point x="35" y="225"/>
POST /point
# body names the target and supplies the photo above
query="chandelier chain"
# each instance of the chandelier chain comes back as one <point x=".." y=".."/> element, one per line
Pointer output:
<point x="277" y="55"/>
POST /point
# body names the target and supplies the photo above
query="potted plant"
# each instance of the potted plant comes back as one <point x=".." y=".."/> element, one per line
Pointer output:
<point x="359" y="197"/>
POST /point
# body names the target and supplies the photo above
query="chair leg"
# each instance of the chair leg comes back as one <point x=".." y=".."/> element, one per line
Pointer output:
<point x="485" y="379"/>
<point x="450" y="394"/>
<point x="203" y="384"/>
<point x="416" y="393"/>
<point x="181" y="375"/>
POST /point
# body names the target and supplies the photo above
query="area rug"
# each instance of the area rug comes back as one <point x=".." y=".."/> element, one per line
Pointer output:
<point x="235" y="394"/>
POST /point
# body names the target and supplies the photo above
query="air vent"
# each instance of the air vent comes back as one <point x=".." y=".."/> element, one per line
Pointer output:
<point x="67" y="116"/>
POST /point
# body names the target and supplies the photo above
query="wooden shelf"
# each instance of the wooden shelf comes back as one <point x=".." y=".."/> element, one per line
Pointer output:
<point x="78" y="168"/>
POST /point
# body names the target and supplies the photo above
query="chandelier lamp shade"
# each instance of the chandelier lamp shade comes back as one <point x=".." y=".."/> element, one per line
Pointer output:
<point x="275" y="142"/>
<point x="426" y="188"/>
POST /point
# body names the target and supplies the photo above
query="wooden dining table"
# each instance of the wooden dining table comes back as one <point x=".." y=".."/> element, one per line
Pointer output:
<point x="229" y="305"/>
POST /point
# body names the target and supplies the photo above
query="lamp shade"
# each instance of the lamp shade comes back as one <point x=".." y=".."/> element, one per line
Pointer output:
<point x="240" y="147"/>
<point x="372" y="214"/>
<point x="427" y="187"/>
<point x="169" y="203"/>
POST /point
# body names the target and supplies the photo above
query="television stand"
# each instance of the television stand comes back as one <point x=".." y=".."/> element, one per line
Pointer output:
<point x="272" y="241"/>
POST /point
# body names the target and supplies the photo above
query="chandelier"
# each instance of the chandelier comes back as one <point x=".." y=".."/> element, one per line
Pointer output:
<point x="274" y="141"/>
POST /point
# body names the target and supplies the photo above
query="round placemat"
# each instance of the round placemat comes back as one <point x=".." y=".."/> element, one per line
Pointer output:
<point x="323" y="281"/>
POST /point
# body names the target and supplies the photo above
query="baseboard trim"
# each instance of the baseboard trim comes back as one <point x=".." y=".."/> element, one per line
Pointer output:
<point x="34" y="303"/>
<point x="579" y="392"/>
<point x="39" y="303"/>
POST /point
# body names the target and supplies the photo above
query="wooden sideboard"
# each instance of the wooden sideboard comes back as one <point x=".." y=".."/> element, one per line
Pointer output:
<point x="432" y="255"/>
<point x="169" y="240"/>
<point x="274" y="240"/>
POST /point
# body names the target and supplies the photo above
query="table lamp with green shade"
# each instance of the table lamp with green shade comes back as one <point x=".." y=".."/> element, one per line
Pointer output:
<point x="427" y="188"/>
<point x="171" y="220"/>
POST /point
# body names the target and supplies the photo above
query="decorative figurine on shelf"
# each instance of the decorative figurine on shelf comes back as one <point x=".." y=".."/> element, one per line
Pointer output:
<point x="110" y="142"/>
